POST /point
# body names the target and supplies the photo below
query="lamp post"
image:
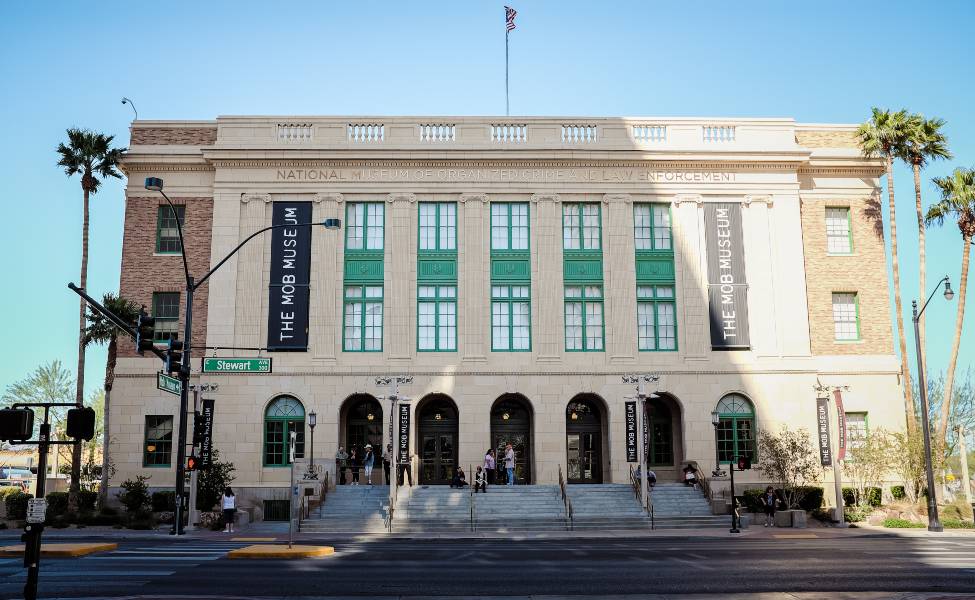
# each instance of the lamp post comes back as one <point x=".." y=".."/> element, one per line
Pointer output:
<point x="155" y="184"/>
<point x="642" y="397"/>
<point x="312" y="421"/>
<point x="933" y="523"/>
<point x="716" y="421"/>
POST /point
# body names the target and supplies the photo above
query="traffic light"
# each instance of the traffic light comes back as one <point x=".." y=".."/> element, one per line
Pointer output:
<point x="174" y="355"/>
<point x="16" y="424"/>
<point x="191" y="463"/>
<point x="145" y="332"/>
<point x="744" y="463"/>
<point x="81" y="423"/>
<point x="197" y="428"/>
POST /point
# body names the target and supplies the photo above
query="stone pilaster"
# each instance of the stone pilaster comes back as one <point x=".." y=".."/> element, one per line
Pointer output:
<point x="619" y="274"/>
<point x="474" y="278"/>
<point x="325" y="335"/>
<point x="547" y="282"/>
<point x="222" y="301"/>
<point x="399" y="293"/>
<point x="252" y="269"/>
<point x="692" y="277"/>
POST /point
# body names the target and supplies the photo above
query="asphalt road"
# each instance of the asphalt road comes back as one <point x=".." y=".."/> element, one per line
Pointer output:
<point x="499" y="567"/>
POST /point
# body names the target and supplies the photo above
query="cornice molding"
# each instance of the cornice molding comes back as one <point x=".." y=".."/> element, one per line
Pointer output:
<point x="245" y="198"/>
<point x="683" y="198"/>
<point x="166" y="168"/>
<point x="510" y="163"/>
<point x="763" y="198"/>
<point x="401" y="197"/>
<point x="328" y="197"/>
<point x="465" y="198"/>
<point x="613" y="198"/>
<point x="536" y="198"/>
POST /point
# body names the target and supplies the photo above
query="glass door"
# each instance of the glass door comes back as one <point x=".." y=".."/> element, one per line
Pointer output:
<point x="437" y="458"/>
<point x="584" y="457"/>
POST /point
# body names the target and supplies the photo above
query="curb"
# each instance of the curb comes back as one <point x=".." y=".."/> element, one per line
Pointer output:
<point x="278" y="551"/>
<point x="60" y="550"/>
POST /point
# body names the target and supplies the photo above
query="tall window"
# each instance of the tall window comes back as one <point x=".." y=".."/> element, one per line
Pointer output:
<point x="656" y="323"/>
<point x="165" y="308"/>
<point x="581" y="226"/>
<point x="856" y="429"/>
<point x="736" y="428"/>
<point x="284" y="415"/>
<point x="651" y="227"/>
<point x="167" y="235"/>
<point x="509" y="226"/>
<point x="584" y="318"/>
<point x="364" y="226"/>
<point x="363" y="330"/>
<point x="438" y="226"/>
<point x="158" y="449"/>
<point x="839" y="238"/>
<point x="846" y="316"/>
<point x="437" y="318"/>
<point x="511" y="318"/>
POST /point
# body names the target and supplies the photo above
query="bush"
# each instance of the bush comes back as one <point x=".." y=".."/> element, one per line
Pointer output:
<point x="98" y="518"/>
<point x="87" y="500"/>
<point x="898" y="492"/>
<point x="874" y="496"/>
<point x="752" y="500"/>
<point x="163" y="501"/>
<point x="812" y="498"/>
<point x="141" y="520"/>
<point x="6" y="490"/>
<point x="958" y="510"/>
<point x="135" y="494"/>
<point x="17" y="505"/>
<point x="957" y="524"/>
<point x="853" y="514"/>
<point x="902" y="524"/>
<point x="57" y="505"/>
<point x="211" y="482"/>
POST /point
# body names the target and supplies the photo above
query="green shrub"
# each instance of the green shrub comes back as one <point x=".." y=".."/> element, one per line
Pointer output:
<point x="135" y="494"/>
<point x="87" y="500"/>
<point x="898" y="492"/>
<point x="108" y="511"/>
<point x="853" y="514"/>
<point x="163" y="501"/>
<point x="6" y="490"/>
<point x="813" y="498"/>
<point x="957" y="524"/>
<point x="57" y="505"/>
<point x="902" y="524"/>
<point x="60" y="521"/>
<point x="752" y="500"/>
<point x="874" y="496"/>
<point x="141" y="520"/>
<point x="17" y="505"/>
<point x="958" y="510"/>
<point x="98" y="518"/>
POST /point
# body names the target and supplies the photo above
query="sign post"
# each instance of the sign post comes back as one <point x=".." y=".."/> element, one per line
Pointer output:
<point x="293" y="487"/>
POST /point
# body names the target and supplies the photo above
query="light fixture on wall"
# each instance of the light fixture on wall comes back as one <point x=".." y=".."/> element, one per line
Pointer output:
<point x="150" y="448"/>
<point x="505" y="415"/>
<point x="370" y="417"/>
<point x="574" y="416"/>
<point x="438" y="416"/>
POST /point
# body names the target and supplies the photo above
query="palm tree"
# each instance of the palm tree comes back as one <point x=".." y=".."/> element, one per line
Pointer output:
<point x="925" y="142"/>
<point x="102" y="331"/>
<point x="884" y="135"/>
<point x="958" y="200"/>
<point x="90" y="154"/>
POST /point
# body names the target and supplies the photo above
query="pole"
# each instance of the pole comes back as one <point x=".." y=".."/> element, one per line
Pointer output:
<point x="933" y="523"/>
<point x="644" y="486"/>
<point x="292" y="489"/>
<point x="193" y="512"/>
<point x="32" y="539"/>
<point x="966" y="483"/>
<point x="184" y="378"/>
<point x="734" y="501"/>
<point x="840" y="516"/>
<point x="394" y="451"/>
<point x="507" y="109"/>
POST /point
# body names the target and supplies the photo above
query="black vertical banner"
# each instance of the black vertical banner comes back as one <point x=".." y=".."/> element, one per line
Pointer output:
<point x="727" y="288"/>
<point x="206" y="435"/>
<point x="287" y="314"/>
<point x="403" y="444"/>
<point x="822" y="431"/>
<point x="631" y="432"/>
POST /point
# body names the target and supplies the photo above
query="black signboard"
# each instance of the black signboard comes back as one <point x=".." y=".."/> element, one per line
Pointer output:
<point x="727" y="288"/>
<point x="287" y="315"/>
<point x="206" y="435"/>
<point x="403" y="443"/>
<point x="631" y="431"/>
<point x="822" y="430"/>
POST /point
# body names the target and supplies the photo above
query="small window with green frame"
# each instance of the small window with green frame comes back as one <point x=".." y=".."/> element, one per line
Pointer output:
<point x="509" y="226"/>
<point x="846" y="316"/>
<point x="165" y="309"/>
<point x="158" y="448"/>
<point x="363" y="318"/>
<point x="735" y="433"/>
<point x="283" y="415"/>
<point x="839" y="233"/>
<point x="511" y="318"/>
<point x="438" y="226"/>
<point x="167" y="234"/>
<point x="364" y="226"/>
<point x="584" y="318"/>
<point x="581" y="226"/>
<point x="656" y="318"/>
<point x="651" y="227"/>
<point x="436" y="325"/>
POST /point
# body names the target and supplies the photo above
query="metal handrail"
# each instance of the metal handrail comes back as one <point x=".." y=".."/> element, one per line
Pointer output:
<point x="473" y="502"/>
<point x="566" y="501"/>
<point x="645" y="503"/>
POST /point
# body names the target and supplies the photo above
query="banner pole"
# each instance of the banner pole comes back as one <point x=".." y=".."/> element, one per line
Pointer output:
<point x="507" y="109"/>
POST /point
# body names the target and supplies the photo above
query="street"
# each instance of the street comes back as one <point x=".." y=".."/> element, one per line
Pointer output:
<point x="507" y="567"/>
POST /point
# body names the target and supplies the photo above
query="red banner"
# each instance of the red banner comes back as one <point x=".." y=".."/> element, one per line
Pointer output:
<point x="841" y="422"/>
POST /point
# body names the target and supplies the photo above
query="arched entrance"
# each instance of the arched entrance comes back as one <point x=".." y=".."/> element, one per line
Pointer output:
<point x="437" y="439"/>
<point x="362" y="418"/>
<point x="511" y="423"/>
<point x="584" y="440"/>
<point x="665" y="447"/>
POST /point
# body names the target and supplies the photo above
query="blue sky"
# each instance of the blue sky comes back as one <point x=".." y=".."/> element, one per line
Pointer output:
<point x="68" y="64"/>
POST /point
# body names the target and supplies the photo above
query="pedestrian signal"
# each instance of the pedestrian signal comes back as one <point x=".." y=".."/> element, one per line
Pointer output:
<point x="81" y="423"/>
<point x="174" y="355"/>
<point x="191" y="463"/>
<point x="16" y="424"/>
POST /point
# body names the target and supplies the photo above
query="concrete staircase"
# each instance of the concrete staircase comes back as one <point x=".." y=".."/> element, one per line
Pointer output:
<point x="350" y="509"/>
<point x="521" y="508"/>
<point x="614" y="507"/>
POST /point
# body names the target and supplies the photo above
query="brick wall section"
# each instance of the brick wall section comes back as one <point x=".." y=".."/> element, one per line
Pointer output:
<point x="826" y="139"/>
<point x="863" y="272"/>
<point x="184" y="136"/>
<point x="145" y="272"/>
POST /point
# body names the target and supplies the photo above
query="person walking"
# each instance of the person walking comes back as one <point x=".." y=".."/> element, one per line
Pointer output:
<point x="490" y="467"/>
<point x="387" y="457"/>
<point x="341" y="458"/>
<point x="509" y="463"/>
<point x="769" y="500"/>
<point x="404" y="468"/>
<point x="480" y="480"/>
<point x="354" y="466"/>
<point x="368" y="460"/>
<point x="229" y="505"/>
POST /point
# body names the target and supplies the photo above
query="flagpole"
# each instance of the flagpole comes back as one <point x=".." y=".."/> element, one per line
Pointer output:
<point x="507" y="106"/>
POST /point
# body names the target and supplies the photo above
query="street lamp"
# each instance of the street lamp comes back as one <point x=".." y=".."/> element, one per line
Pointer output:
<point x="933" y="523"/>
<point x="312" y="421"/>
<point x="716" y="421"/>
<point x="155" y="184"/>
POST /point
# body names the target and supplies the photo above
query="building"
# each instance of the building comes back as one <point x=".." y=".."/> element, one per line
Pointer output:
<point x="516" y="268"/>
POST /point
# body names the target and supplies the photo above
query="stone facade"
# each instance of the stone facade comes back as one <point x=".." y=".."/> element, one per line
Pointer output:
<point x="188" y="136"/>
<point x="827" y="139"/>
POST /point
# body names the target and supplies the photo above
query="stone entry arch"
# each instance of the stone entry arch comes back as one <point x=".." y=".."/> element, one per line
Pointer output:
<point x="512" y="420"/>
<point x="438" y="428"/>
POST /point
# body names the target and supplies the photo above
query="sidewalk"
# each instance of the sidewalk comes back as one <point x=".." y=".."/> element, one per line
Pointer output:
<point x="751" y="596"/>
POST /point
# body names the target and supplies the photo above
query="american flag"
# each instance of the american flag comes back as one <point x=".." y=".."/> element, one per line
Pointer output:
<point x="509" y="17"/>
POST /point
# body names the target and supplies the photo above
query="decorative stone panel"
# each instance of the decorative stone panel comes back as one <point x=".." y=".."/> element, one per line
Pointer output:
<point x="826" y="139"/>
<point x="181" y="136"/>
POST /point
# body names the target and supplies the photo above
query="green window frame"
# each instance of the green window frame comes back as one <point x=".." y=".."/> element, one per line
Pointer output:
<point x="839" y="230"/>
<point x="582" y="226"/>
<point x="857" y="435"/>
<point x="157" y="452"/>
<point x="846" y="316"/>
<point x="584" y="319"/>
<point x="362" y="315"/>
<point x="511" y="323"/>
<point x="365" y="226"/>
<point x="735" y="433"/>
<point x="167" y="235"/>
<point x="652" y="229"/>
<point x="510" y="226"/>
<point x="165" y="309"/>
<point x="437" y="227"/>
<point x="436" y="323"/>
<point x="283" y="415"/>
<point x="656" y="315"/>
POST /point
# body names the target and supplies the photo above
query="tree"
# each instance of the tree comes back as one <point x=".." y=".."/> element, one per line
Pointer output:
<point x="925" y="142"/>
<point x="907" y="461"/>
<point x="50" y="383"/>
<point x="790" y="461"/>
<point x="868" y="459"/>
<point x="102" y="331"/>
<point x="884" y="135"/>
<point x="91" y="155"/>
<point x="211" y="482"/>
<point x="957" y="200"/>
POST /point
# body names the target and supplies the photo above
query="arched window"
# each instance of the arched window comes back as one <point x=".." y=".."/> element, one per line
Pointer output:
<point x="735" y="434"/>
<point x="283" y="415"/>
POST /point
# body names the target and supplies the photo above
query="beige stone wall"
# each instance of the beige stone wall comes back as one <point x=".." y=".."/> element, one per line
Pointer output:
<point x="189" y="136"/>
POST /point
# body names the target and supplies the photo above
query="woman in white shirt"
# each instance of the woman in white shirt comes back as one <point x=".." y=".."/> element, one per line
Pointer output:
<point x="229" y="509"/>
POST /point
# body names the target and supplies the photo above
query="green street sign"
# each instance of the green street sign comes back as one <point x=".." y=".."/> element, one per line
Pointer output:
<point x="168" y="384"/>
<point x="215" y="364"/>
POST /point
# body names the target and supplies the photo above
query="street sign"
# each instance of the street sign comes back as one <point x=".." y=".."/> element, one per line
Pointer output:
<point x="168" y="384"/>
<point x="215" y="364"/>
<point x="36" y="510"/>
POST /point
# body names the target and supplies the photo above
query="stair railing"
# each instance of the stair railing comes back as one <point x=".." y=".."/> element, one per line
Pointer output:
<point x="645" y="503"/>
<point x="566" y="501"/>
<point x="473" y="503"/>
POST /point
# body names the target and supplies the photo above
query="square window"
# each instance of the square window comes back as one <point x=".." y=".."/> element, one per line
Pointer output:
<point x="167" y="233"/>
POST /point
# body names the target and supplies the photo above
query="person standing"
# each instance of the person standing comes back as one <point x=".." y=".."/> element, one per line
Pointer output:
<point x="387" y="457"/>
<point x="229" y="505"/>
<point x="341" y="458"/>
<point x="509" y="463"/>
<point x="769" y="500"/>
<point x="490" y="467"/>
<point x="404" y="468"/>
<point x="354" y="465"/>
<point x="368" y="460"/>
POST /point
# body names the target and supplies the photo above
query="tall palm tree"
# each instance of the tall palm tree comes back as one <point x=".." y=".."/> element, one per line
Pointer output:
<point x="102" y="331"/>
<point x="925" y="142"/>
<point x="91" y="155"/>
<point x="884" y="135"/>
<point x="957" y="200"/>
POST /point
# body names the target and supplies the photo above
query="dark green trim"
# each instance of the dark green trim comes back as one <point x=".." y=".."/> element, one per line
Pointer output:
<point x="582" y="228"/>
<point x="162" y="335"/>
<point x="511" y="327"/>
<point x="656" y="302"/>
<point x="363" y="300"/>
<point x="849" y="230"/>
<point x="528" y="221"/>
<point x="584" y="302"/>
<point x="437" y="302"/>
<point x="300" y="444"/>
<point x="365" y="227"/>
<point x="436" y="227"/>
<point x="165" y="212"/>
